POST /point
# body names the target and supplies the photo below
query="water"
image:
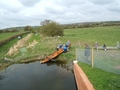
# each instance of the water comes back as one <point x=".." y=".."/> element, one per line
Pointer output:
<point x="36" y="76"/>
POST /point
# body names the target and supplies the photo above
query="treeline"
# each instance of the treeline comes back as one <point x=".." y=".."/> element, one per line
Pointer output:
<point x="34" y="29"/>
<point x="9" y="30"/>
<point x="17" y="29"/>
<point x="91" y="24"/>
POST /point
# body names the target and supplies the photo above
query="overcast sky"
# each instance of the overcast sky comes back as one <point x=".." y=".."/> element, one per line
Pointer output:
<point x="14" y="13"/>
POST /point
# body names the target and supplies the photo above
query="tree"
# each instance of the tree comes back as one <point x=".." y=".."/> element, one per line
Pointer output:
<point x="45" y="22"/>
<point x="51" y="28"/>
<point x="28" y="28"/>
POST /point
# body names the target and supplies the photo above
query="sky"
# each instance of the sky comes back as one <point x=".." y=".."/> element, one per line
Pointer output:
<point x="15" y="13"/>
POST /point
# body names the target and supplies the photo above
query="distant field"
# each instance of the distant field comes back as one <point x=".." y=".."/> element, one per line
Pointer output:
<point x="108" y="35"/>
<point x="4" y="36"/>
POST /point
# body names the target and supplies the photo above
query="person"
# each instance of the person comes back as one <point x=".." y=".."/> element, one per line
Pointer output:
<point x="68" y="43"/>
<point x="19" y="37"/>
<point x="104" y="47"/>
<point x="64" y="48"/>
<point x="59" y="46"/>
<point x="96" y="46"/>
<point x="87" y="52"/>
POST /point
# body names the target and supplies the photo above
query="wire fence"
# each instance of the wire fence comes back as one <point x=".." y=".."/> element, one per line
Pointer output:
<point x="106" y="60"/>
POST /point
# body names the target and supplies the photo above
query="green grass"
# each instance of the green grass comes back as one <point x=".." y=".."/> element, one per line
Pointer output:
<point x="4" y="49"/>
<point x="4" y="36"/>
<point x="100" y="79"/>
<point x="108" y="35"/>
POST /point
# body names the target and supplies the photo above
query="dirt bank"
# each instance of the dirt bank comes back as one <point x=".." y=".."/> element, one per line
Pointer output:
<point x="32" y="59"/>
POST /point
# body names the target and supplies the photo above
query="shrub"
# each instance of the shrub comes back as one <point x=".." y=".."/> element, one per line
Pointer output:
<point x="51" y="29"/>
<point x="28" y="28"/>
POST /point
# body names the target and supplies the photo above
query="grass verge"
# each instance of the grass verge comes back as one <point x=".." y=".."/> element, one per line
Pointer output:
<point x="100" y="79"/>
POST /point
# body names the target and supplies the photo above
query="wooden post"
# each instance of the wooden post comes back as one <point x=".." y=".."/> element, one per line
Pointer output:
<point x="92" y="57"/>
<point x="76" y="53"/>
<point x="118" y="45"/>
<point x="79" y="43"/>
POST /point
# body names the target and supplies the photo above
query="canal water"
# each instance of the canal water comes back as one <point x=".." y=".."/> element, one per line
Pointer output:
<point x="36" y="76"/>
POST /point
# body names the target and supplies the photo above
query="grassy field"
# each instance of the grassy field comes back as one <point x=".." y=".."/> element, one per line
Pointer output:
<point x="108" y="35"/>
<point x="101" y="80"/>
<point x="46" y="45"/>
<point x="4" y="36"/>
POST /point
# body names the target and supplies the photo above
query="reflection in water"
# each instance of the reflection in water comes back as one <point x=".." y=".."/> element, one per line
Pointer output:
<point x="64" y="64"/>
<point x="36" y="76"/>
<point x="1" y="77"/>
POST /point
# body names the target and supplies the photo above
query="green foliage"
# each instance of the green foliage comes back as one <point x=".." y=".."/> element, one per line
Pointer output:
<point x="51" y="29"/>
<point x="45" y="22"/>
<point x="9" y="30"/>
<point x="90" y="24"/>
<point x="28" y="28"/>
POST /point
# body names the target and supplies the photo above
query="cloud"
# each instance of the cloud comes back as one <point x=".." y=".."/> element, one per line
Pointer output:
<point x="9" y="6"/>
<point x="69" y="3"/>
<point x="114" y="7"/>
<point x="32" y="12"/>
<point x="102" y="2"/>
<point x="29" y="3"/>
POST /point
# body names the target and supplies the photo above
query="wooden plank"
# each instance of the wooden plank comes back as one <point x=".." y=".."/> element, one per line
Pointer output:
<point x="55" y="54"/>
<point x="82" y="81"/>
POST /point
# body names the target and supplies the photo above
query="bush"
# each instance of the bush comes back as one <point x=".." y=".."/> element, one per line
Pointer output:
<point x="51" y="29"/>
<point x="28" y="28"/>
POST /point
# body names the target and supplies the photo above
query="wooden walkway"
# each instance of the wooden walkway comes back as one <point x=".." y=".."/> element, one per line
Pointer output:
<point x="50" y="57"/>
<point x="55" y="54"/>
<point x="81" y="79"/>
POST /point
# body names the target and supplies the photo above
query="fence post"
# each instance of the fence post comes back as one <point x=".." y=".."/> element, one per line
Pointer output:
<point x="79" y="43"/>
<point x="76" y="54"/>
<point x="118" y="45"/>
<point x="92" y="57"/>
